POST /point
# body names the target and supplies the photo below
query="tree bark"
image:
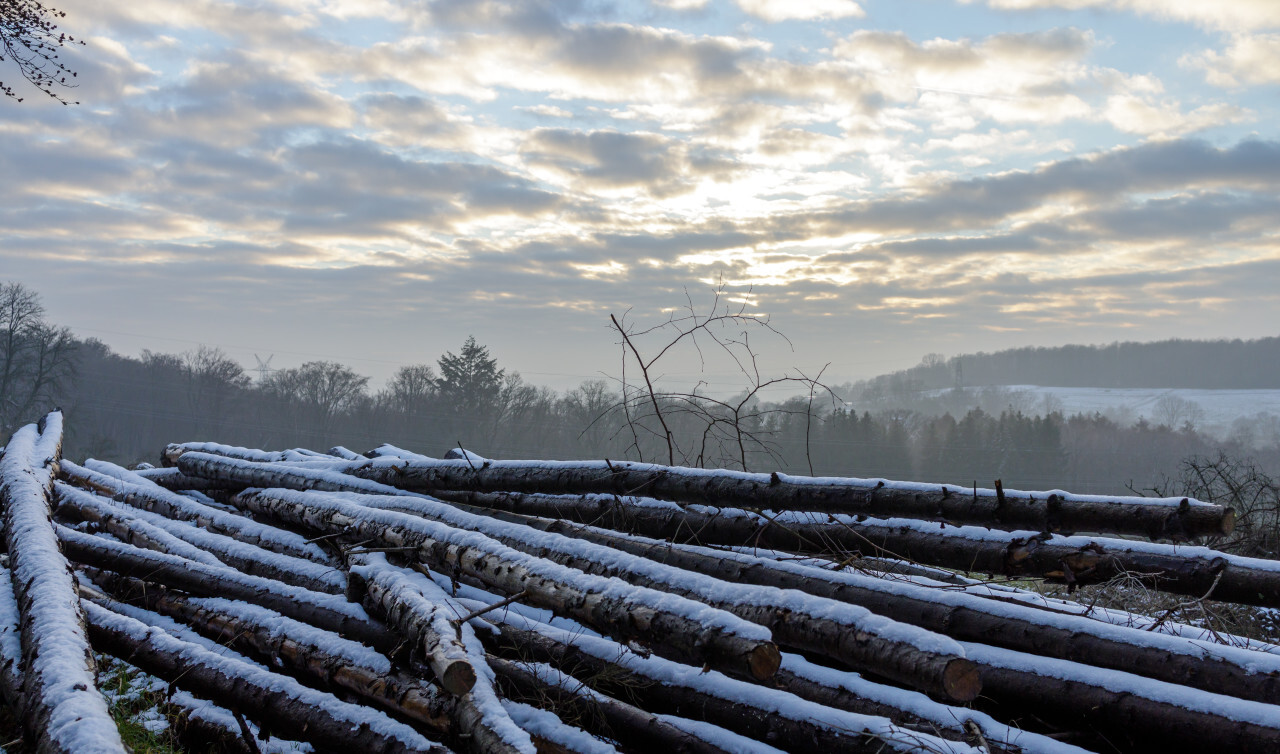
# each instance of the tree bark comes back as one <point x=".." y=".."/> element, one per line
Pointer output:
<point x="169" y="504"/>
<point x="423" y="623"/>
<point x="841" y="632"/>
<point x="153" y="532"/>
<point x="634" y="613"/>
<point x="1071" y="560"/>
<point x="327" y="611"/>
<point x="63" y="709"/>
<point x="633" y="728"/>
<point x="279" y="703"/>
<point x="1176" y="519"/>
<point x="968" y="617"/>
<point x="311" y="654"/>
<point x="767" y="715"/>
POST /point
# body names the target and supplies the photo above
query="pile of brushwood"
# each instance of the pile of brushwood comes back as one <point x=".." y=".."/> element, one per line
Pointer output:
<point x="391" y="602"/>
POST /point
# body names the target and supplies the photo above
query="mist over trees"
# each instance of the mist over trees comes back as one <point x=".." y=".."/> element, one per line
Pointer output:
<point x="125" y="409"/>
<point x="1204" y="364"/>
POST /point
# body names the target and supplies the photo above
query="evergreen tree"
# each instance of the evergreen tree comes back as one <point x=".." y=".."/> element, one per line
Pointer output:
<point x="470" y="381"/>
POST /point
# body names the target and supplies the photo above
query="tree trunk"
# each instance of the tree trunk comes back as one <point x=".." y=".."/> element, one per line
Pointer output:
<point x="1071" y="560"/>
<point x="670" y="624"/>
<point x="156" y="499"/>
<point x="330" y="660"/>
<point x="328" y="611"/>
<point x="633" y="728"/>
<point x="969" y="617"/>
<point x="1177" y="518"/>
<point x="841" y="632"/>
<point x="63" y="710"/>
<point x="424" y="624"/>
<point x="153" y="532"/>
<point x="279" y="703"/>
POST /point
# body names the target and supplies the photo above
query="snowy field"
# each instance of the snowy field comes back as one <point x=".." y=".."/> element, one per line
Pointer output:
<point x="1213" y="411"/>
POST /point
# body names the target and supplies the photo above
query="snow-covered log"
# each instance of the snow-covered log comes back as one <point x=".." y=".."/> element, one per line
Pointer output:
<point x="424" y="624"/>
<point x="63" y="710"/>
<point x="125" y="487"/>
<point x="1176" y="518"/>
<point x="1021" y="626"/>
<point x="842" y="632"/>
<point x="297" y="476"/>
<point x="601" y="714"/>
<point x="282" y="704"/>
<point x="174" y="479"/>
<point x="671" y="624"/>
<point x="333" y="661"/>
<point x="1074" y="560"/>
<point x="662" y="686"/>
<point x="328" y="611"/>
<point x="154" y="532"/>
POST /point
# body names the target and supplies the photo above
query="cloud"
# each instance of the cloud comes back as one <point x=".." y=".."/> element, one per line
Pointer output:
<point x="1214" y="14"/>
<point x="612" y="159"/>
<point x="786" y="10"/>
<point x="1249" y="60"/>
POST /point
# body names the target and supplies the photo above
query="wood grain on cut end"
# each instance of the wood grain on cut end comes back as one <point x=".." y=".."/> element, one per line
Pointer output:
<point x="961" y="680"/>
<point x="764" y="661"/>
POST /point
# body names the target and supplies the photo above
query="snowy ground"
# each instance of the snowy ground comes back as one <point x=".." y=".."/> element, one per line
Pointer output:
<point x="1218" y="409"/>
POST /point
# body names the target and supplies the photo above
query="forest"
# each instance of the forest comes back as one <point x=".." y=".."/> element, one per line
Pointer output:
<point x="125" y="409"/>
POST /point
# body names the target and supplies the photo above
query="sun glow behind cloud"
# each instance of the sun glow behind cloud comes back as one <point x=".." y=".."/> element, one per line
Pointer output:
<point x="430" y="156"/>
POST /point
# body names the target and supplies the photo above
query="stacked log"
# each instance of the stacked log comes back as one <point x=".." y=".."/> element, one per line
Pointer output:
<point x="396" y="602"/>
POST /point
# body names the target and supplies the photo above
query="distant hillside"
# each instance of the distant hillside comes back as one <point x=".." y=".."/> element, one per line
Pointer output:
<point x="1203" y="364"/>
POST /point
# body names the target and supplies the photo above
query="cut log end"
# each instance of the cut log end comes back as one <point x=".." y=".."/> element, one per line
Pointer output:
<point x="764" y="661"/>
<point x="1228" y="521"/>
<point x="458" y="677"/>
<point x="961" y="680"/>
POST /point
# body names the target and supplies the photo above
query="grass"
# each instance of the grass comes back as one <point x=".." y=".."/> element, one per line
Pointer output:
<point x="138" y="703"/>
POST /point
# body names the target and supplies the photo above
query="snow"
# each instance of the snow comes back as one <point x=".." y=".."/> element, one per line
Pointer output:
<point x="164" y="541"/>
<point x="717" y="685"/>
<point x="1220" y="407"/>
<point x="212" y="714"/>
<point x="711" y="620"/>
<point x="370" y="720"/>
<point x="128" y="484"/>
<point x="609" y="468"/>
<point x="482" y="694"/>
<point x="1232" y="708"/>
<point x="547" y="726"/>
<point x="1197" y="644"/>
<point x="714" y="734"/>
<point x="53" y="631"/>
<point x="693" y="585"/>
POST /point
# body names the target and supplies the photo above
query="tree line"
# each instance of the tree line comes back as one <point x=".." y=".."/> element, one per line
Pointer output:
<point x="125" y="409"/>
<point x="1193" y="364"/>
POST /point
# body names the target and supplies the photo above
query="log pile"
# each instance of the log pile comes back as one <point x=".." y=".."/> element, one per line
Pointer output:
<point x="391" y="602"/>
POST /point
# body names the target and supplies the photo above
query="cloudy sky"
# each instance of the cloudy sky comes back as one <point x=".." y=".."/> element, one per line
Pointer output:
<point x="373" y="180"/>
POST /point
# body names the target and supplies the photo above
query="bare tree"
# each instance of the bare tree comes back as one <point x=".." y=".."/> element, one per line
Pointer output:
<point x="37" y="359"/>
<point x="213" y="381"/>
<point x="694" y="427"/>
<point x="322" y="389"/>
<point x="31" y="40"/>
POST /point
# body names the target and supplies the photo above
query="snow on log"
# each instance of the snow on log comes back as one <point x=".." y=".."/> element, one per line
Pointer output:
<point x="101" y="477"/>
<point x="1076" y="560"/>
<point x="548" y="730"/>
<point x="326" y="476"/>
<point x="279" y="702"/>
<point x="839" y="631"/>
<point x="327" y="611"/>
<point x="1174" y="518"/>
<point x="173" y="479"/>
<point x="604" y="715"/>
<point x="331" y="660"/>
<point x="1206" y="665"/>
<point x="1130" y="711"/>
<point x="672" y="624"/>
<point x="422" y="622"/>
<point x="154" y="532"/>
<point x="63" y="710"/>
<point x="659" y="685"/>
